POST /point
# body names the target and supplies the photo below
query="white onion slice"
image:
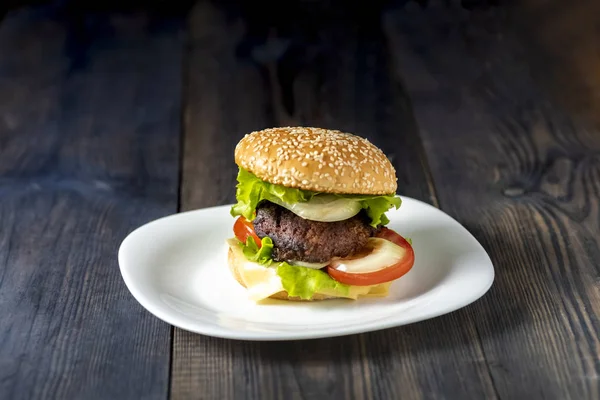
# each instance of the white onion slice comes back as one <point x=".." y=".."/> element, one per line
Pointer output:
<point x="309" y="265"/>
<point x="378" y="254"/>
<point x="323" y="208"/>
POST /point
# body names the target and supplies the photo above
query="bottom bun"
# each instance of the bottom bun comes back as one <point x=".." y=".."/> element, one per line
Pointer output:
<point x="236" y="261"/>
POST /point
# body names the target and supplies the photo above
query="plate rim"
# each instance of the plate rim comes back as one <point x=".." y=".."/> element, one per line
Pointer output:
<point x="217" y="331"/>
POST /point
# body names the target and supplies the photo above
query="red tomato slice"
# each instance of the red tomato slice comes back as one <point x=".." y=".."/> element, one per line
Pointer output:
<point x="244" y="229"/>
<point x="387" y="273"/>
<point x="388" y="234"/>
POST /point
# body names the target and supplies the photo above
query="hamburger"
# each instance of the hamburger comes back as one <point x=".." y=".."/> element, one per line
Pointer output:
<point x="310" y="216"/>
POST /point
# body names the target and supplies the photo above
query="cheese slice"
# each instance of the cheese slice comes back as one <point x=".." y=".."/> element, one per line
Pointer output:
<point x="381" y="290"/>
<point x="262" y="282"/>
<point x="324" y="208"/>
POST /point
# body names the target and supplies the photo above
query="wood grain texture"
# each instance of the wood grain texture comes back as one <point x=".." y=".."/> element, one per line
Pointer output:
<point x="89" y="145"/>
<point x="330" y="73"/>
<point x="524" y="176"/>
<point x="564" y="38"/>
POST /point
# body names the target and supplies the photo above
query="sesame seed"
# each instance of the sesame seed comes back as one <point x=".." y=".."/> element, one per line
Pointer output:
<point x="335" y="153"/>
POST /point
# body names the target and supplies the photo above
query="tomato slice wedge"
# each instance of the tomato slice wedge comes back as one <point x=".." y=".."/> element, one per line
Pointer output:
<point x="244" y="229"/>
<point x="386" y="273"/>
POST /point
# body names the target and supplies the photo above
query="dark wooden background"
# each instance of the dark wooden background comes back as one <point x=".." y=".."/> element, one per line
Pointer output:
<point x="112" y="115"/>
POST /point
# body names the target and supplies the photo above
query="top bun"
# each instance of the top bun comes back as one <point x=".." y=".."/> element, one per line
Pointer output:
<point x="315" y="159"/>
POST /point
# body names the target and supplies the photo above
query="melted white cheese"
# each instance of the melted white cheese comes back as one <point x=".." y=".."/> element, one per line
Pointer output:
<point x="324" y="208"/>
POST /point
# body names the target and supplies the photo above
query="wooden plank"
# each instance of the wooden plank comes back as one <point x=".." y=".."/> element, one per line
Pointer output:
<point x="224" y="100"/>
<point x="522" y="175"/>
<point x="89" y="148"/>
<point x="343" y="80"/>
<point x="564" y="39"/>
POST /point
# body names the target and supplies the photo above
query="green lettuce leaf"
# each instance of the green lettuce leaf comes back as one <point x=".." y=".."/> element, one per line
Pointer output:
<point x="377" y="206"/>
<point x="250" y="191"/>
<point x="253" y="253"/>
<point x="297" y="281"/>
<point x="305" y="282"/>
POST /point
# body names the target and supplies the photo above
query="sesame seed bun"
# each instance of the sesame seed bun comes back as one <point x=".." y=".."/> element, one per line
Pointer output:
<point x="318" y="160"/>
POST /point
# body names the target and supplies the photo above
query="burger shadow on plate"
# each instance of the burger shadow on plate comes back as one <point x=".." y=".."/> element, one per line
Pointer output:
<point x="446" y="339"/>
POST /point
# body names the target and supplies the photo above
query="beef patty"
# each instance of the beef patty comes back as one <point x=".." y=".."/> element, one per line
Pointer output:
<point x="298" y="239"/>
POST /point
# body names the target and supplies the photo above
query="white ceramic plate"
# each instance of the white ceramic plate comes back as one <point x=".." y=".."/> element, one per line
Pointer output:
<point x="176" y="267"/>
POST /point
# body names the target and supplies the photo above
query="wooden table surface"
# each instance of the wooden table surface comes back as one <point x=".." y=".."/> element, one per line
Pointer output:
<point x="110" y="119"/>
